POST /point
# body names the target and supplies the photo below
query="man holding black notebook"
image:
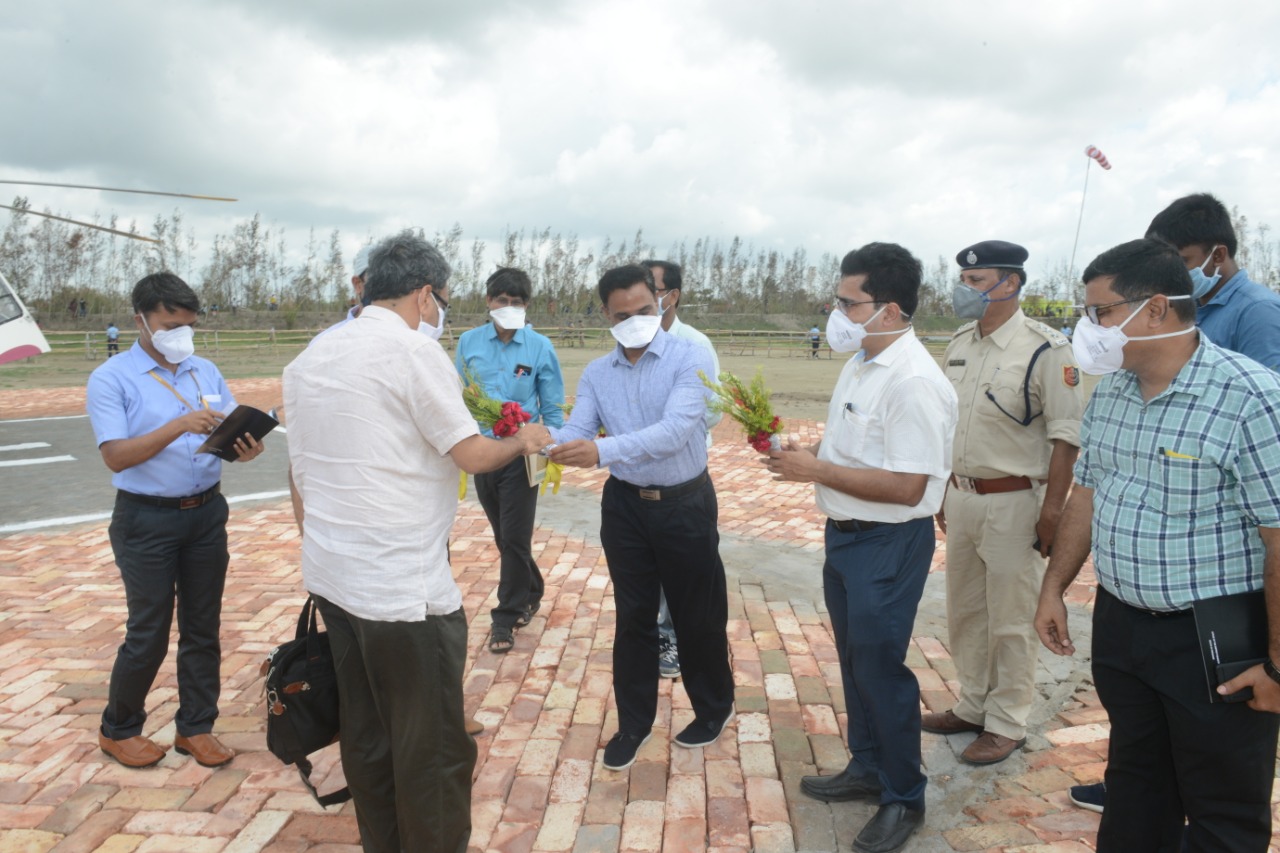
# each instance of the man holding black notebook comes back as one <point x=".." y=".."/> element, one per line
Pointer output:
<point x="1178" y="495"/>
<point x="152" y="410"/>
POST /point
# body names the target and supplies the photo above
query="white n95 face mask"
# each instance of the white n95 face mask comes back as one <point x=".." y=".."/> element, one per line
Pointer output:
<point x="1099" y="350"/>
<point x="509" y="317"/>
<point x="176" y="345"/>
<point x="433" y="332"/>
<point x="637" y="331"/>
<point x="844" y="335"/>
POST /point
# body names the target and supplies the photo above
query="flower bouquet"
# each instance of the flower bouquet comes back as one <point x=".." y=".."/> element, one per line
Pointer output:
<point x="748" y="405"/>
<point x="504" y="419"/>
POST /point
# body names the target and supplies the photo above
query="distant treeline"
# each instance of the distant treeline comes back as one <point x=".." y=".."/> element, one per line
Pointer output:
<point x="52" y="263"/>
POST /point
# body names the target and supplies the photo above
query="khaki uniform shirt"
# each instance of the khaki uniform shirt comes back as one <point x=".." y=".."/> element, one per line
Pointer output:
<point x="990" y="374"/>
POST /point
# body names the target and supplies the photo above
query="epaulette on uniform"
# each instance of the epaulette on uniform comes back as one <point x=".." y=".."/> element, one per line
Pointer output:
<point x="1049" y="333"/>
<point x="967" y="327"/>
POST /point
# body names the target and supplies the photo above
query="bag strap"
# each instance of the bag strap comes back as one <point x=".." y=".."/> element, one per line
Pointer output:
<point x="340" y="796"/>
<point x="308" y="628"/>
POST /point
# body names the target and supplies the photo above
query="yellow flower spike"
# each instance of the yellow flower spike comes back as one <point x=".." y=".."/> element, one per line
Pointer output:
<point x="554" y="474"/>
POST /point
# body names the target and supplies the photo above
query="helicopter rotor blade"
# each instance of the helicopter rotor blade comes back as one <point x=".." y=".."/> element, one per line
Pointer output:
<point x="118" y="190"/>
<point x="81" y="224"/>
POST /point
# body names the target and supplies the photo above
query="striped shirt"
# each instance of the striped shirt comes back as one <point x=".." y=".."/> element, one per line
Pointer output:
<point x="1182" y="482"/>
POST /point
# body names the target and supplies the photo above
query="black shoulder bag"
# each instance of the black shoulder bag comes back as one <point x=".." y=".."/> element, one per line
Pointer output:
<point x="302" y="700"/>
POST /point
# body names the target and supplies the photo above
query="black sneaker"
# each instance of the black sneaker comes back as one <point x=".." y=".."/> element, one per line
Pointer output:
<point x="1091" y="797"/>
<point x="702" y="733"/>
<point x="668" y="659"/>
<point x="621" y="751"/>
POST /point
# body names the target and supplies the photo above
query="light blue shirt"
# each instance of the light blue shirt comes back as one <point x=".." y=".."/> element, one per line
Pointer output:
<point x="652" y="412"/>
<point x="125" y="401"/>
<point x="524" y="370"/>
<point x="1244" y="316"/>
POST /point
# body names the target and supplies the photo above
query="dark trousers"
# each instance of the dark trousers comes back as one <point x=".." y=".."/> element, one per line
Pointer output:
<point x="1175" y="755"/>
<point x="405" y="750"/>
<point x="672" y="545"/>
<point x="113" y="347"/>
<point x="510" y="503"/>
<point x="872" y="581"/>
<point x="168" y="555"/>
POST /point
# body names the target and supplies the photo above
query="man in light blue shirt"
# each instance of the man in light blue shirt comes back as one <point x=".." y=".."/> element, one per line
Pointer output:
<point x="1232" y="310"/>
<point x="658" y="512"/>
<point x="151" y="410"/>
<point x="514" y="364"/>
<point x="668" y="278"/>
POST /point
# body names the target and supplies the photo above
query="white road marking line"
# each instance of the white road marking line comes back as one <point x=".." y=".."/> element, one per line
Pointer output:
<point x="30" y="445"/>
<point x="42" y="460"/>
<point x="25" y="526"/>
<point x="38" y="420"/>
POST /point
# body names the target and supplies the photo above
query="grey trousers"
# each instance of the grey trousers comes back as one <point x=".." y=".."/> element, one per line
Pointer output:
<point x="405" y="751"/>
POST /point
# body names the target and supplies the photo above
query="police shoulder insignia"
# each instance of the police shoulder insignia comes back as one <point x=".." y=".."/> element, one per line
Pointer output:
<point x="1070" y="376"/>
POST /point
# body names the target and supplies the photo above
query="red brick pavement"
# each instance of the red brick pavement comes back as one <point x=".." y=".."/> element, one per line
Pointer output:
<point x="547" y="706"/>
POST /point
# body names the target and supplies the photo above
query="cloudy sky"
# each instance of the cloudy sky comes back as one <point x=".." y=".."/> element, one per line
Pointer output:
<point x="933" y="123"/>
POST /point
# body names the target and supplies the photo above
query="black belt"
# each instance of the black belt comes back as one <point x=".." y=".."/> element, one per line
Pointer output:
<point x="190" y="502"/>
<point x="853" y="525"/>
<point x="665" y="493"/>
<point x="1156" y="614"/>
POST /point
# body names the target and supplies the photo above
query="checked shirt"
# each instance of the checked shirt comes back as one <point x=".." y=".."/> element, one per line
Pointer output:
<point x="1182" y="482"/>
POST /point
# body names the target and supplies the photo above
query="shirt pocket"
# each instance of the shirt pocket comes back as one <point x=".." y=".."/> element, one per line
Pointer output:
<point x="1004" y="391"/>
<point x="854" y="427"/>
<point x="1189" y="486"/>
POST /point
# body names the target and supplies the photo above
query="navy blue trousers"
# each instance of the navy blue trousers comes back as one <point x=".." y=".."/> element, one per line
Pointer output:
<point x="872" y="582"/>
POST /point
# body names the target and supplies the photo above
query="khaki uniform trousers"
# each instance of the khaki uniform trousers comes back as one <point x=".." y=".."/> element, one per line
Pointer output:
<point x="993" y="586"/>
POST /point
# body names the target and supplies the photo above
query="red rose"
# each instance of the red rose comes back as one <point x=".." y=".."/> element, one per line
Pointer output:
<point x="775" y="424"/>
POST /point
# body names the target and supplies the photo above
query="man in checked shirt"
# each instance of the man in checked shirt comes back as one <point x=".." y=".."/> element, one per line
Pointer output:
<point x="1178" y="495"/>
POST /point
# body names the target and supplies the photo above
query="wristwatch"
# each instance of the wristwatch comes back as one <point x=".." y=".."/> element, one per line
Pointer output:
<point x="1270" y="669"/>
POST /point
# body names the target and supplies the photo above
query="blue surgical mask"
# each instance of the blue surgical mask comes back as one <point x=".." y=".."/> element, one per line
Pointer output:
<point x="1201" y="284"/>
<point x="970" y="304"/>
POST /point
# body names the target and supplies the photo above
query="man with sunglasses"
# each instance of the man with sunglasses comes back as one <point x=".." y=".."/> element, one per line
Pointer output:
<point x="1176" y="496"/>
<point x="1019" y="432"/>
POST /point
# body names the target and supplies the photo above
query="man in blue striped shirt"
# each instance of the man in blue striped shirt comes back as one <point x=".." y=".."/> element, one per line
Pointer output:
<point x="514" y="364"/>
<point x="658" y="512"/>
<point x="1178" y="494"/>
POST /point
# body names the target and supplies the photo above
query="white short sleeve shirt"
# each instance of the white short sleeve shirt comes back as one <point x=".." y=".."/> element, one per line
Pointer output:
<point x="896" y="412"/>
<point x="373" y="409"/>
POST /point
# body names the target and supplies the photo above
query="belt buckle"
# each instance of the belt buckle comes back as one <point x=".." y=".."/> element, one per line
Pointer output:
<point x="191" y="503"/>
<point x="651" y="494"/>
<point x="966" y="484"/>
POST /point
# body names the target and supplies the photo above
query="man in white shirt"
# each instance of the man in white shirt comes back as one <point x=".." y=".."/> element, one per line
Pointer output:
<point x="668" y="279"/>
<point x="377" y="433"/>
<point x="879" y="474"/>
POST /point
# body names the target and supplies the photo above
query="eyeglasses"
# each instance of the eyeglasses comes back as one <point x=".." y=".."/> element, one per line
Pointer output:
<point x="1092" y="311"/>
<point x="845" y="304"/>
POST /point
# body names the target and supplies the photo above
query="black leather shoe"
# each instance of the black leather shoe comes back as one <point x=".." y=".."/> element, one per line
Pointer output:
<point x="889" y="829"/>
<point x="840" y="788"/>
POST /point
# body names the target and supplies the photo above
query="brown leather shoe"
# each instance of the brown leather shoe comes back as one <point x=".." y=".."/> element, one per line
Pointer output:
<point x="205" y="749"/>
<point x="474" y="726"/>
<point x="136" y="751"/>
<point x="990" y="748"/>
<point x="947" y="723"/>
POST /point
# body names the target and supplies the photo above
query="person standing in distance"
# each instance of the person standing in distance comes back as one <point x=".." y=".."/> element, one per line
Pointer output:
<point x="879" y="474"/>
<point x="151" y="410"/>
<point x="513" y="363"/>
<point x="658" y="513"/>
<point x="1019" y="433"/>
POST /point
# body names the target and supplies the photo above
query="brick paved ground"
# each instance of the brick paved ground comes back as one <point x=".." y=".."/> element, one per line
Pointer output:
<point x="547" y="705"/>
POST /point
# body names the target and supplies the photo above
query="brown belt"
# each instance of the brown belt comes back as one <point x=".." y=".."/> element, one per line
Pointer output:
<point x="992" y="485"/>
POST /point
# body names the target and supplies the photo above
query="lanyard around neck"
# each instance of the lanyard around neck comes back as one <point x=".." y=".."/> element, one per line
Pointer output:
<point x="157" y="377"/>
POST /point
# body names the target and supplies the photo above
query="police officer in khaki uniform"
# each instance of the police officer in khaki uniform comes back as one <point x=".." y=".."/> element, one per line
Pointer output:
<point x="1015" y="444"/>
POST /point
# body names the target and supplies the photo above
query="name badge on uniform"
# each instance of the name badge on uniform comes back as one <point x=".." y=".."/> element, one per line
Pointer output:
<point x="956" y="362"/>
<point x="212" y="398"/>
<point x="523" y="370"/>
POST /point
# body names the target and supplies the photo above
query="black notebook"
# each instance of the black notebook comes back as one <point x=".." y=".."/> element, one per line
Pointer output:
<point x="1233" y="638"/>
<point x="222" y="441"/>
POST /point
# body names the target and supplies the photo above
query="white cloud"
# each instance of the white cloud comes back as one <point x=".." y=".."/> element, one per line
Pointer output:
<point x="826" y="125"/>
